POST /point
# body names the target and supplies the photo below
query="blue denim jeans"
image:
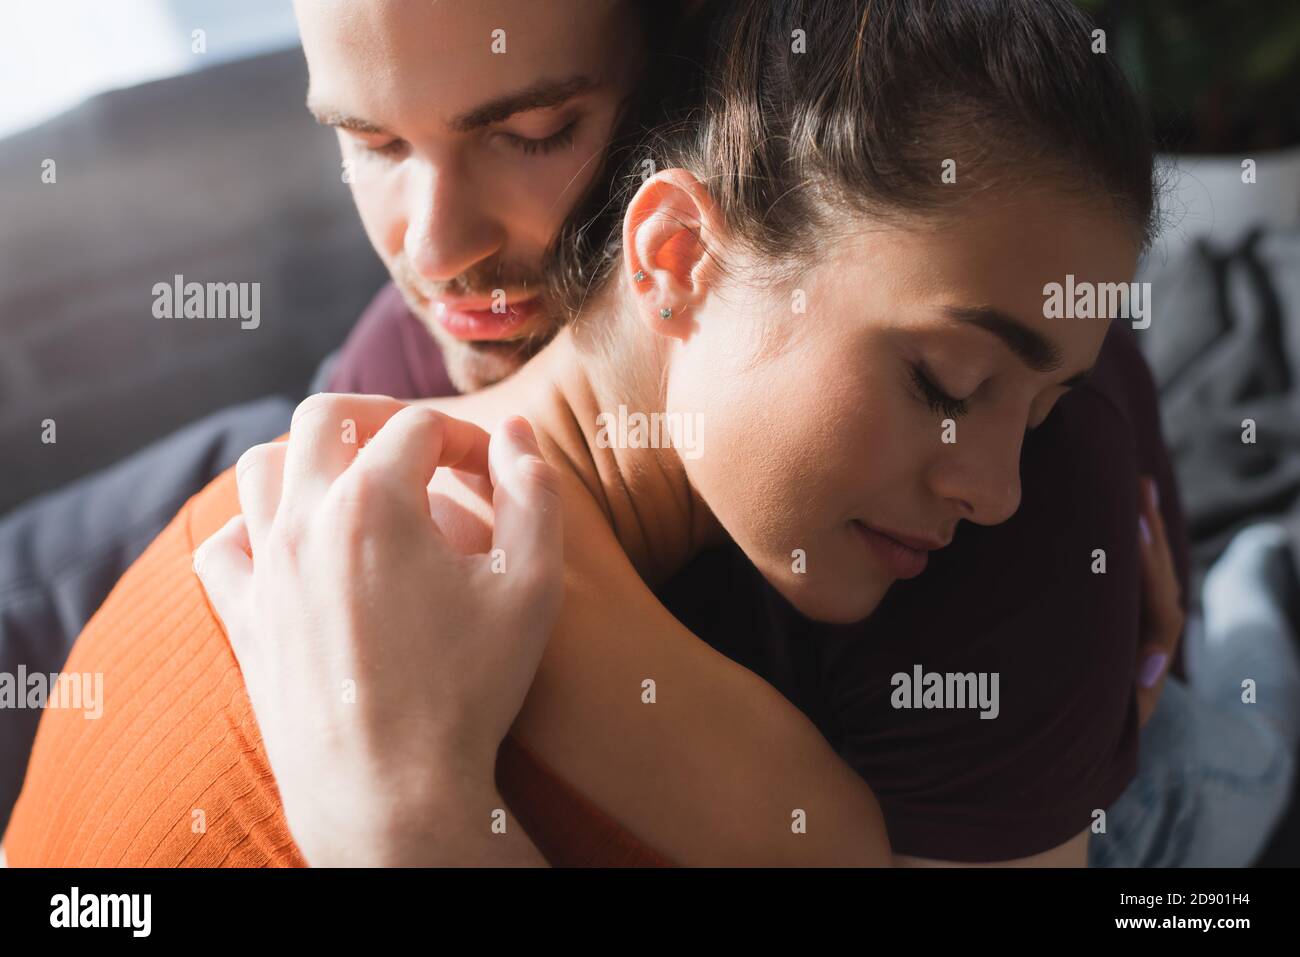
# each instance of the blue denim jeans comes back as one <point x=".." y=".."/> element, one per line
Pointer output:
<point x="1215" y="773"/>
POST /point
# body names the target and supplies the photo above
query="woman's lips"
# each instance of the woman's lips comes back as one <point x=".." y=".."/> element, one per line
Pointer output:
<point x="476" y="322"/>
<point x="903" y="560"/>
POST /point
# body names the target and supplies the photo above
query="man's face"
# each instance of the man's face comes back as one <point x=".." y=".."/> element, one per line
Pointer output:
<point x="469" y="131"/>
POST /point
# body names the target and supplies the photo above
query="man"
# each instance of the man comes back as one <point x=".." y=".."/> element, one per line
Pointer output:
<point x="472" y="216"/>
<point x="465" y="163"/>
<point x="464" y="186"/>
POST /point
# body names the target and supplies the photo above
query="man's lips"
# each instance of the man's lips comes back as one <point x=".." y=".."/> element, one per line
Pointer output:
<point x="905" y="555"/>
<point x="472" y="320"/>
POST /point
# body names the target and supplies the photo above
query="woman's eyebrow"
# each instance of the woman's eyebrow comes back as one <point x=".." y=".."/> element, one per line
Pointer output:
<point x="1031" y="347"/>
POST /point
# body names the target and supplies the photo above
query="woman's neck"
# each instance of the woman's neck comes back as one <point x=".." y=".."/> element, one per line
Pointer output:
<point x="643" y="493"/>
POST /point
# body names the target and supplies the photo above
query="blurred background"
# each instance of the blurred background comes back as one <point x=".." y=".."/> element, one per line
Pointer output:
<point x="1221" y="81"/>
<point x="101" y="49"/>
<point x="172" y="156"/>
<point x="180" y="145"/>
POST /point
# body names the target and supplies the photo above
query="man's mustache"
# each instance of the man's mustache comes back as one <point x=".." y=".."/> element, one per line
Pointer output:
<point x="476" y="283"/>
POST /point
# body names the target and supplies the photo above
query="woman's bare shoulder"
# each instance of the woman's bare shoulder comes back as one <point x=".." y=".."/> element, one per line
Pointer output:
<point x="693" y="753"/>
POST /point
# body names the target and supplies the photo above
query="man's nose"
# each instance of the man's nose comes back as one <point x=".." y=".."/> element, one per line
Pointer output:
<point x="980" y="472"/>
<point x="449" y="227"/>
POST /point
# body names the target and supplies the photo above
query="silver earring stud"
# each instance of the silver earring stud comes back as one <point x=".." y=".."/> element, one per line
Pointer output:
<point x="665" y="313"/>
<point x="639" y="277"/>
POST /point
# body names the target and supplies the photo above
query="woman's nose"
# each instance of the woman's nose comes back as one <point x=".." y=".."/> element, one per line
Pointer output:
<point x="981" y="474"/>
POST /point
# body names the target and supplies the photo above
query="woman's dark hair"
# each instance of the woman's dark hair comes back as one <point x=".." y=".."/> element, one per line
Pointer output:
<point x="794" y="111"/>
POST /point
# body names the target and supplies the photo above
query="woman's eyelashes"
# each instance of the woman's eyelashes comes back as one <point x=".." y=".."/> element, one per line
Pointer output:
<point x="938" y="400"/>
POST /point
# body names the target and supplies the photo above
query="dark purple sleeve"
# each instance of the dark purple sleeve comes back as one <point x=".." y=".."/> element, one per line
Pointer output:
<point x="1133" y="387"/>
<point x="390" y="352"/>
<point x="1023" y="599"/>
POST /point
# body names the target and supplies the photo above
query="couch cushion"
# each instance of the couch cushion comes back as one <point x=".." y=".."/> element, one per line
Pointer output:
<point x="218" y="176"/>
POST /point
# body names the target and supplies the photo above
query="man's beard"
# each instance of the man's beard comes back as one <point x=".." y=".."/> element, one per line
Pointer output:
<point x="473" y="365"/>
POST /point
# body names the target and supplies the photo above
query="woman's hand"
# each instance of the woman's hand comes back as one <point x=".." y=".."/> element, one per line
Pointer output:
<point x="1162" y="612"/>
<point x="385" y="668"/>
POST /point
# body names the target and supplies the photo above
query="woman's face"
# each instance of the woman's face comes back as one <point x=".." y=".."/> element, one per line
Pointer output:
<point x="896" y="401"/>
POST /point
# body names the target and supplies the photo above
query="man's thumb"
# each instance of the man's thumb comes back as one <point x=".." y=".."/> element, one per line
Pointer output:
<point x="529" y="522"/>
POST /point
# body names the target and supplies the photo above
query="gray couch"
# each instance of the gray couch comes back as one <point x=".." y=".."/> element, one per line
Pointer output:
<point x="219" y="176"/>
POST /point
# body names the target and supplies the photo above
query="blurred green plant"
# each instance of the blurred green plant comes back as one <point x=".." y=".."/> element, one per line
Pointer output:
<point x="1217" y="75"/>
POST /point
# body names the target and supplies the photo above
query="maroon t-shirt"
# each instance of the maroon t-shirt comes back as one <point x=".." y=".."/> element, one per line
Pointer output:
<point x="1021" y="600"/>
<point x="390" y="352"/>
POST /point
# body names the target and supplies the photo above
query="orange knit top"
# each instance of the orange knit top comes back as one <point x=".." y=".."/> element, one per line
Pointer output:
<point x="174" y="774"/>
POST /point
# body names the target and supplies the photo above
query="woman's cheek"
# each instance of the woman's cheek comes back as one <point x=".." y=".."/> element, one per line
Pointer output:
<point x="791" y="447"/>
<point x="750" y="465"/>
<point x="775" y="479"/>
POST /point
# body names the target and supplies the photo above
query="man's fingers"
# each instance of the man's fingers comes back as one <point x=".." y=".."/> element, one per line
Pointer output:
<point x="259" y="475"/>
<point x="528" y="536"/>
<point x="225" y="569"/>
<point x="326" y="433"/>
<point x="416" y="441"/>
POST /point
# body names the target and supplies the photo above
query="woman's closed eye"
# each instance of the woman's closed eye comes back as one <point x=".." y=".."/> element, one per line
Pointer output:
<point x="934" y="396"/>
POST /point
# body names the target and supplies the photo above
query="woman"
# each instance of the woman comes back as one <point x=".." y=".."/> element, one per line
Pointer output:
<point x="918" y="355"/>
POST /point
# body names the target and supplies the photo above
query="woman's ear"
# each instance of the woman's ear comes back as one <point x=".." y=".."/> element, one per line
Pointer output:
<point x="666" y="237"/>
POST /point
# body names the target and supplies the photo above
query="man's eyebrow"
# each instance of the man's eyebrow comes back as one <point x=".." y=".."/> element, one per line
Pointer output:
<point x="1030" y="347"/>
<point x="327" y="116"/>
<point x="544" y="94"/>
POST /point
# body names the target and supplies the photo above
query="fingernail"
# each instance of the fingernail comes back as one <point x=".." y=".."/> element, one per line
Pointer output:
<point x="1152" y="669"/>
<point x="522" y="431"/>
<point x="1155" y="492"/>
<point x="1145" y="529"/>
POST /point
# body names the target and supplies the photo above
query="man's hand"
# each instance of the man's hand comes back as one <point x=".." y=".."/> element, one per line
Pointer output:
<point x="384" y="667"/>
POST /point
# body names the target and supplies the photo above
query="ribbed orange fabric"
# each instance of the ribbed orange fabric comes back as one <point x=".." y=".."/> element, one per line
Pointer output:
<point x="174" y="772"/>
